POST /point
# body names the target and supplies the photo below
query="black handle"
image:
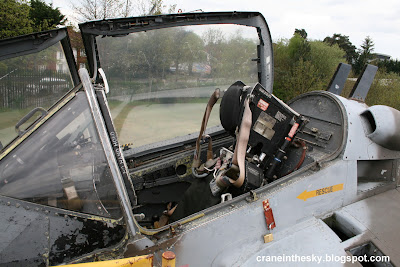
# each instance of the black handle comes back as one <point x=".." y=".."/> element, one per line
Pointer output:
<point x="27" y="117"/>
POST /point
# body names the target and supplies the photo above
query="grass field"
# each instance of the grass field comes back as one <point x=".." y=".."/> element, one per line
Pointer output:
<point x="8" y="119"/>
<point x="145" y="124"/>
<point x="137" y="122"/>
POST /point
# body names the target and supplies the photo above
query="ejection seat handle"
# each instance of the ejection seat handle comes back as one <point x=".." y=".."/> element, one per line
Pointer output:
<point x="213" y="99"/>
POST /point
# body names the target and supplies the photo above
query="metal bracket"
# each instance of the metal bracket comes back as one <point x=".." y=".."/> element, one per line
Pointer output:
<point x="253" y="197"/>
<point x="226" y="197"/>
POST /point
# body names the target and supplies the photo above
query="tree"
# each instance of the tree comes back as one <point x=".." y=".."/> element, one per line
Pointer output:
<point x="99" y="9"/>
<point x="151" y="7"/>
<point x="102" y="9"/>
<point x="14" y="18"/>
<point x="344" y="43"/>
<point x="301" y="32"/>
<point x="298" y="48"/>
<point x="365" y="55"/>
<point x="325" y="58"/>
<point x="390" y="65"/>
<point x="367" y="47"/>
<point x="45" y="17"/>
<point x="302" y="66"/>
<point x="17" y="17"/>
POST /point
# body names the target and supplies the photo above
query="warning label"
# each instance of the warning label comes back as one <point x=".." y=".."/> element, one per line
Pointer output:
<point x="262" y="105"/>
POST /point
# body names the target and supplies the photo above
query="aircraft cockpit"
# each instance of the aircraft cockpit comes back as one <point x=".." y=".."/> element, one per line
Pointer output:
<point x="172" y="126"/>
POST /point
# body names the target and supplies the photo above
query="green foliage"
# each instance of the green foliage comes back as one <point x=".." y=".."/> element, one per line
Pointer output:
<point x="358" y="59"/>
<point x="282" y="68"/>
<point x="45" y="17"/>
<point x="3" y="68"/>
<point x="298" y="48"/>
<point x="14" y="18"/>
<point x="18" y="18"/>
<point x="326" y="59"/>
<point x="385" y="90"/>
<point x="344" y="43"/>
<point x="235" y="59"/>
<point x="304" y="78"/>
<point x="367" y="47"/>
<point x="365" y="55"/>
<point x="302" y="66"/>
<point x="301" y="32"/>
<point x="390" y="65"/>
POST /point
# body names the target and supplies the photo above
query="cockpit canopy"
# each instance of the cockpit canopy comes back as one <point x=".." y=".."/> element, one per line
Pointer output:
<point x="166" y="67"/>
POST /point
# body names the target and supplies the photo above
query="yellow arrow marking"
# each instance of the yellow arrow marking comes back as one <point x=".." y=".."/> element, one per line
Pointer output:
<point x="319" y="192"/>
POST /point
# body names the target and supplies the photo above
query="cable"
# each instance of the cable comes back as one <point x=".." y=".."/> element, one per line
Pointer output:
<point x="302" y="158"/>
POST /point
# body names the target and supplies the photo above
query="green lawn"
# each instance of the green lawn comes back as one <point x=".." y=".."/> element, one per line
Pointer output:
<point x="138" y="122"/>
<point x="145" y="124"/>
<point x="8" y="120"/>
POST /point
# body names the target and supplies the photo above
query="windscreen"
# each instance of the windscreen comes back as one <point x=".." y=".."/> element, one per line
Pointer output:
<point x="161" y="80"/>
<point x="62" y="164"/>
<point x="30" y="81"/>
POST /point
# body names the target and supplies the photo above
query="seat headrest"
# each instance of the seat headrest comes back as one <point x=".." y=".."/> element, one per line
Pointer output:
<point x="230" y="108"/>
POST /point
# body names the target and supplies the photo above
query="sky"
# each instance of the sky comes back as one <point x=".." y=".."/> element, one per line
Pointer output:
<point x="355" y="18"/>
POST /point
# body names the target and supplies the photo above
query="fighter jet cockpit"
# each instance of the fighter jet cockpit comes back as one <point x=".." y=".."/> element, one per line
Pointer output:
<point x="194" y="112"/>
<point x="262" y="128"/>
<point x="172" y="129"/>
<point x="190" y="139"/>
<point x="262" y="140"/>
